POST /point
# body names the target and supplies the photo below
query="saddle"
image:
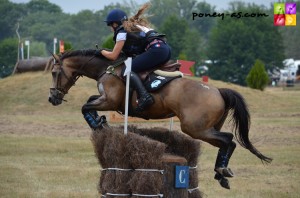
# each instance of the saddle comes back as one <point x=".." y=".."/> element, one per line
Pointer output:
<point x="153" y="79"/>
<point x="171" y="68"/>
<point x="156" y="78"/>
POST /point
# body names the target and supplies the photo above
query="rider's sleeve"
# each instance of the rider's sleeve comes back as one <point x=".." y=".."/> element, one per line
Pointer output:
<point x="121" y="36"/>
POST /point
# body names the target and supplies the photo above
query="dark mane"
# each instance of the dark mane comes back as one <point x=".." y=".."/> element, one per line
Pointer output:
<point x="91" y="52"/>
<point x="82" y="52"/>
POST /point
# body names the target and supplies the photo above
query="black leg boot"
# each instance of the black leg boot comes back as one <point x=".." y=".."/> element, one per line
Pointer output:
<point x="222" y="161"/>
<point x="230" y="151"/>
<point x="91" y="117"/>
<point x="220" y="165"/>
<point x="92" y="122"/>
<point x="144" y="98"/>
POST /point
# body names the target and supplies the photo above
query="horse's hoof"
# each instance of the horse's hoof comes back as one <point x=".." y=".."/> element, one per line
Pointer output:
<point x="224" y="183"/>
<point x="222" y="180"/>
<point x="226" y="172"/>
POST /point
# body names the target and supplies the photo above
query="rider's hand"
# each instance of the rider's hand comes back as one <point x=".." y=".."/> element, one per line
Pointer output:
<point x="98" y="52"/>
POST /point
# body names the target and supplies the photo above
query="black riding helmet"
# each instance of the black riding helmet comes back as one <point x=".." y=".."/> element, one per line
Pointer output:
<point x="116" y="16"/>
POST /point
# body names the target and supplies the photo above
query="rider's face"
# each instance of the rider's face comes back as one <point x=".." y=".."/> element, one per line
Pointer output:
<point x="113" y="26"/>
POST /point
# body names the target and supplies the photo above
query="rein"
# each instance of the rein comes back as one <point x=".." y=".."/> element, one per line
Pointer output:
<point x="111" y="68"/>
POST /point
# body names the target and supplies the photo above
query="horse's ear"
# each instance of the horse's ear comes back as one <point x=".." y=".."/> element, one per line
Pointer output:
<point x="56" y="57"/>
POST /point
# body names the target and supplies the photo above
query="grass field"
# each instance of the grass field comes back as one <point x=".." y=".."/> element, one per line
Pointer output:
<point x="46" y="151"/>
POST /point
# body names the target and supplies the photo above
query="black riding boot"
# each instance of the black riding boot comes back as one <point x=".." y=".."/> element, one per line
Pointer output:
<point x="144" y="98"/>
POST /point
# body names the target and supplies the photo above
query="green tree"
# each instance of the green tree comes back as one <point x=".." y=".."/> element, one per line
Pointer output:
<point x="235" y="43"/>
<point x="10" y="14"/>
<point x="43" y="27"/>
<point x="8" y="58"/>
<point x="182" y="56"/>
<point x="175" y="28"/>
<point x="258" y="77"/>
<point x="38" y="49"/>
<point x="42" y="6"/>
<point x="194" y="46"/>
<point x="204" y="24"/>
<point x="109" y="42"/>
<point x="161" y="9"/>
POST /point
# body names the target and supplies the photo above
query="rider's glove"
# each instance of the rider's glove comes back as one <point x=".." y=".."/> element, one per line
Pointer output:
<point x="98" y="53"/>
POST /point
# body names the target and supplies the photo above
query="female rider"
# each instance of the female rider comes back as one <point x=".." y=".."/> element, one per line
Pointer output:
<point x="136" y="39"/>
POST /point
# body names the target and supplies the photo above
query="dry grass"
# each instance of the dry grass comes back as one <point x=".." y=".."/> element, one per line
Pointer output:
<point x="46" y="151"/>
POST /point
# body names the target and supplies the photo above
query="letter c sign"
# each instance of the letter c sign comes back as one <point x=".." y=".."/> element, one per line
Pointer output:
<point x="181" y="176"/>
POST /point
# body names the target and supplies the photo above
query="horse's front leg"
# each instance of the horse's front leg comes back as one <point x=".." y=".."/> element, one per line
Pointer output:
<point x="89" y="111"/>
<point x="107" y="101"/>
<point x="90" y="115"/>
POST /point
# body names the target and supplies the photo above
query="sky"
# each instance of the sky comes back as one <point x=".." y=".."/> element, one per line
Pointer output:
<point x="74" y="6"/>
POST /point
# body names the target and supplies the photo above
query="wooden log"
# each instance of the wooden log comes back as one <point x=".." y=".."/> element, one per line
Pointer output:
<point x="169" y="190"/>
<point x="34" y="64"/>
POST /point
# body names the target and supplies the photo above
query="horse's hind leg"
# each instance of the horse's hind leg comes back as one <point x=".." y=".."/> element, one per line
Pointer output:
<point x="223" y="158"/>
<point x="225" y="152"/>
<point x="223" y="140"/>
<point x="221" y="169"/>
<point x="226" y="146"/>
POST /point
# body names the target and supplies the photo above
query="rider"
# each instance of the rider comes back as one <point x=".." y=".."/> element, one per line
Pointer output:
<point x="136" y="39"/>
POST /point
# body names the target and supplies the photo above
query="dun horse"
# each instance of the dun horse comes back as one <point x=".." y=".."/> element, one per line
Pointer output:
<point x="202" y="109"/>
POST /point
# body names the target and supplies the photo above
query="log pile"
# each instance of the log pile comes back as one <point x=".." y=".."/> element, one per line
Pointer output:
<point x="143" y="162"/>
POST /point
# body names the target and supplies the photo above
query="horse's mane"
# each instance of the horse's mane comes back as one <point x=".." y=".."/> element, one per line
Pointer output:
<point x="82" y="52"/>
<point x="91" y="52"/>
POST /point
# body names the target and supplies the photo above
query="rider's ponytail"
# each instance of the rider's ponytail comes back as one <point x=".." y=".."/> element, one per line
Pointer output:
<point x="137" y="19"/>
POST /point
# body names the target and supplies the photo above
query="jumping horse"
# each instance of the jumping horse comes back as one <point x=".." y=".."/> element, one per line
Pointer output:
<point x="201" y="108"/>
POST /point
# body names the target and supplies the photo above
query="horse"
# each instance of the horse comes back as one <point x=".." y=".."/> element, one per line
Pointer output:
<point x="201" y="108"/>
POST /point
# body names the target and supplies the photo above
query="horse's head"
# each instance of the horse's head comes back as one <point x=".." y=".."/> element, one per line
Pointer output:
<point x="69" y="67"/>
<point x="63" y="79"/>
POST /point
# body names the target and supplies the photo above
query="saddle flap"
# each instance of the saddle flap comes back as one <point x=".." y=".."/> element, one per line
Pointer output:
<point x="155" y="82"/>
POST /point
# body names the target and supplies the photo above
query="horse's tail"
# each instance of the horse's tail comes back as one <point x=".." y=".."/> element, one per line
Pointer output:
<point x="240" y="120"/>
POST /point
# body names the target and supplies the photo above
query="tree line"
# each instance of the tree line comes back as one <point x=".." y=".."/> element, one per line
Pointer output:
<point x="233" y="44"/>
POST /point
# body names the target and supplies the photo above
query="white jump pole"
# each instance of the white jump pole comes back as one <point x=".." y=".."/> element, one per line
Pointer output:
<point x="128" y="63"/>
